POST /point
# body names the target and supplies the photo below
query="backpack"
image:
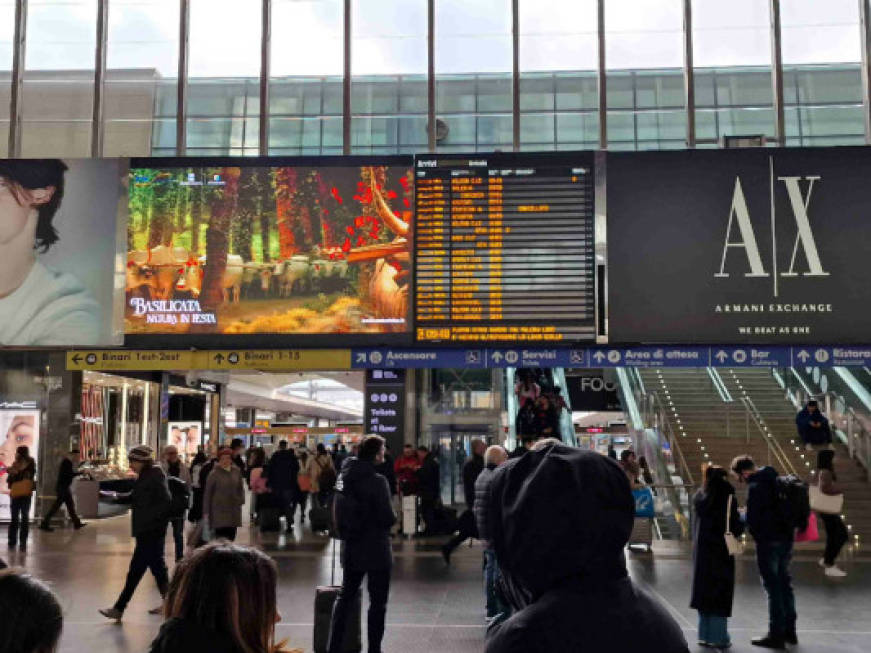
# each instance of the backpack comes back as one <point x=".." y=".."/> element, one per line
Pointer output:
<point x="347" y="514"/>
<point x="793" y="498"/>
<point x="180" y="494"/>
<point x="327" y="477"/>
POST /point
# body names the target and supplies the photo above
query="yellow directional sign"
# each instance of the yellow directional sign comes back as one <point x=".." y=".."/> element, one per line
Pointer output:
<point x="225" y="359"/>
<point x="132" y="359"/>
<point x="279" y="359"/>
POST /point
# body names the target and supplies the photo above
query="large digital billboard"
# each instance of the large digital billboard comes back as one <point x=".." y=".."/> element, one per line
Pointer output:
<point x="739" y="246"/>
<point x="238" y="247"/>
<point x="59" y="238"/>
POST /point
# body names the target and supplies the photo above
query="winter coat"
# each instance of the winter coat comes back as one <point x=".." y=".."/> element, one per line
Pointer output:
<point x="371" y="550"/>
<point x="184" y="473"/>
<point x="821" y="434"/>
<point x="316" y="466"/>
<point x="282" y="471"/>
<point x="482" y="496"/>
<point x="713" y="567"/>
<point x="224" y="497"/>
<point x="149" y="502"/>
<point x="182" y="636"/>
<point x="428" y="482"/>
<point x="525" y="422"/>
<point x="406" y="468"/>
<point x="547" y="419"/>
<point x="386" y="470"/>
<point x="26" y="473"/>
<point x="560" y="550"/>
<point x="471" y="470"/>
<point x="766" y="519"/>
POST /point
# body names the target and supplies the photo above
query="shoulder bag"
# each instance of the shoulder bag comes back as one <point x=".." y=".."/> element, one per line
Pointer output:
<point x="733" y="544"/>
<point x="828" y="504"/>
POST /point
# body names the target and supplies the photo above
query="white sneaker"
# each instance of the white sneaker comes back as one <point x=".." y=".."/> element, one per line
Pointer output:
<point x="835" y="572"/>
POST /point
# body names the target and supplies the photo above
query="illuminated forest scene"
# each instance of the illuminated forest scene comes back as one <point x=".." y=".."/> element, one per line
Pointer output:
<point x="246" y="250"/>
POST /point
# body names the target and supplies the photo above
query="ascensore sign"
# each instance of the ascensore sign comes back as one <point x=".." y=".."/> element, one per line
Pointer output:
<point x="757" y="245"/>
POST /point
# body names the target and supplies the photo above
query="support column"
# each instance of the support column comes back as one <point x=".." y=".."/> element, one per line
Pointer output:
<point x="19" y="40"/>
<point x="430" y="77"/>
<point x="777" y="74"/>
<point x="865" y="23"/>
<point x="515" y="75"/>
<point x="97" y="126"/>
<point x="265" y="68"/>
<point x="689" y="80"/>
<point x="181" y="125"/>
<point x="602" y="80"/>
<point x="346" y="83"/>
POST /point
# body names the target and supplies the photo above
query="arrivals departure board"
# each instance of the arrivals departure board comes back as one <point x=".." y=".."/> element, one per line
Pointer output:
<point x="504" y="248"/>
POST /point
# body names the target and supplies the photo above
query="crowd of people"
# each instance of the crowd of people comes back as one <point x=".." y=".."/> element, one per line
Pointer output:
<point x="551" y="581"/>
<point x="540" y="407"/>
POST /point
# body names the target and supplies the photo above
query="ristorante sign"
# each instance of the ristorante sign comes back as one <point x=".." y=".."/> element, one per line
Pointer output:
<point x="761" y="245"/>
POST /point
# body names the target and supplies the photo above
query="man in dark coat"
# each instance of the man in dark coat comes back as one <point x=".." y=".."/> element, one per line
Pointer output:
<point x="559" y="519"/>
<point x="150" y="505"/>
<point x="64" y="494"/>
<point x="773" y="532"/>
<point x="366" y="549"/>
<point x="428" y="487"/>
<point x="813" y="427"/>
<point x="496" y="608"/>
<point x="387" y="471"/>
<point x="281" y="478"/>
<point x="471" y="469"/>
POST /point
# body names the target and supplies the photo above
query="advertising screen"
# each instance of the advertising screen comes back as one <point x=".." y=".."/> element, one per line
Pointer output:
<point x="505" y="248"/>
<point x="236" y="248"/>
<point x="18" y="428"/>
<point x="59" y="228"/>
<point x="739" y="246"/>
<point x="186" y="437"/>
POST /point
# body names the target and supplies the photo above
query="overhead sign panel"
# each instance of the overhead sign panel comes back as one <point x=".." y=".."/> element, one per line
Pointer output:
<point x="418" y="358"/>
<point x="754" y="246"/>
<point x="230" y="359"/>
<point x="504" y="248"/>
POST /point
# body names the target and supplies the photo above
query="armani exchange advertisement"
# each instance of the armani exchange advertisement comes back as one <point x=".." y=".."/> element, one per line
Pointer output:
<point x="59" y="227"/>
<point x="756" y="245"/>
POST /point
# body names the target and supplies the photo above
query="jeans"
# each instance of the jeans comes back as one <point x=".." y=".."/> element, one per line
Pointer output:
<point x="148" y="554"/>
<point x="20" y="519"/>
<point x="178" y="536"/>
<point x="773" y="560"/>
<point x="712" y="630"/>
<point x="836" y="537"/>
<point x="228" y="533"/>
<point x="497" y="610"/>
<point x="63" y="497"/>
<point x="378" y="584"/>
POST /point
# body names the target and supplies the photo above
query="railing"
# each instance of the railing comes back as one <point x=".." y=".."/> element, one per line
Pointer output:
<point x="775" y="450"/>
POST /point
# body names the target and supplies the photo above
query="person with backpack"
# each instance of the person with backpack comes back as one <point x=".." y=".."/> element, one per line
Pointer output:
<point x="322" y="473"/>
<point x="178" y="478"/>
<point x="363" y="516"/>
<point x="772" y="519"/>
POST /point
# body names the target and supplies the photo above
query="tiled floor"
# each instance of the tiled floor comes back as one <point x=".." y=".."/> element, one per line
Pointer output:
<point x="433" y="608"/>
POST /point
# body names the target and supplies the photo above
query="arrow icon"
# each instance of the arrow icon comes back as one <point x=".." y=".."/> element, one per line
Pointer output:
<point x="599" y="356"/>
<point x="77" y="359"/>
<point x="497" y="357"/>
<point x="219" y="358"/>
<point x="803" y="356"/>
<point x="361" y="356"/>
<point x="721" y="356"/>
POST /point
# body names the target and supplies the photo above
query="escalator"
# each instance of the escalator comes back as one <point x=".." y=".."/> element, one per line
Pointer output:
<point x="548" y="380"/>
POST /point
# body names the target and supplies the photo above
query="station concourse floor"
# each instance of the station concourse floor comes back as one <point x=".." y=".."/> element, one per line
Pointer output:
<point x="433" y="608"/>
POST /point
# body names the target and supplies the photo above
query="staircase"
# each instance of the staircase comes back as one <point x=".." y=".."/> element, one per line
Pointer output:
<point x="714" y="430"/>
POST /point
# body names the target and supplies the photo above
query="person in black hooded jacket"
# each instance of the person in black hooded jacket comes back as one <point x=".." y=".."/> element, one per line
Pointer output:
<point x="559" y="519"/>
<point x="366" y="547"/>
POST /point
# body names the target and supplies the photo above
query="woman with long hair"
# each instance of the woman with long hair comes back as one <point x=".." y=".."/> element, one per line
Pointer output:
<point x="21" y="479"/>
<point x="222" y="599"/>
<point x="836" y="532"/>
<point x="32" y="618"/>
<point x="713" y="566"/>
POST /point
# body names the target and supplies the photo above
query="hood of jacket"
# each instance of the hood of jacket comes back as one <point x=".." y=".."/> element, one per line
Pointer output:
<point x="181" y="636"/>
<point x="354" y="471"/>
<point x="763" y="476"/>
<point x="559" y="517"/>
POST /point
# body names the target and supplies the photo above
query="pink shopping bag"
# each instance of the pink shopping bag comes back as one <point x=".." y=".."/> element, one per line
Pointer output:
<point x="811" y="533"/>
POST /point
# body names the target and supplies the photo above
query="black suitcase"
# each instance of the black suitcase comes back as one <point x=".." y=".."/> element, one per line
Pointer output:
<point x="319" y="518"/>
<point x="270" y="520"/>
<point x="325" y="599"/>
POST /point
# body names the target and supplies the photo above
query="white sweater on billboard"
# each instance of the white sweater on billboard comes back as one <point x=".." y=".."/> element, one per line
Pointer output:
<point x="49" y="309"/>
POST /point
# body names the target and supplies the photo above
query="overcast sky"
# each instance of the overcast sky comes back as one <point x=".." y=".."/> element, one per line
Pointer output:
<point x="390" y="35"/>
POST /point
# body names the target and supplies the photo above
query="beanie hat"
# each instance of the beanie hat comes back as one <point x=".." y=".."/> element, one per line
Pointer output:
<point x="141" y="453"/>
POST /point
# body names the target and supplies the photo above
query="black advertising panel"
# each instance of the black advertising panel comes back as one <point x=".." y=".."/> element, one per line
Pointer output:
<point x="384" y="405"/>
<point x="733" y="246"/>
<point x="504" y="248"/>
<point x="592" y="390"/>
<point x="220" y="250"/>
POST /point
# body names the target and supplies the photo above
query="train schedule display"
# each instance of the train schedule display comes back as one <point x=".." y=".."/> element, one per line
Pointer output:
<point x="504" y="248"/>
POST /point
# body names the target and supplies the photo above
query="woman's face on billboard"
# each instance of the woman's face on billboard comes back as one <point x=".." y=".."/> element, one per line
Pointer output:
<point x="20" y="434"/>
<point x="17" y="206"/>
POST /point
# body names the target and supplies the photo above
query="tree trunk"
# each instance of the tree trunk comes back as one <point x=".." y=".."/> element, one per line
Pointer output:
<point x="217" y="241"/>
<point x="196" y="218"/>
<point x="285" y="190"/>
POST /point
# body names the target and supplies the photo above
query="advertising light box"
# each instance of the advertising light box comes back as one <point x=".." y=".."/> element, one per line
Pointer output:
<point x="61" y="228"/>
<point x="765" y="246"/>
<point x="221" y="249"/>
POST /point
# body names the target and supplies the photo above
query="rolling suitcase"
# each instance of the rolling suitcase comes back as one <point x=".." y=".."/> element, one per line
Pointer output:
<point x="319" y="518"/>
<point x="325" y="599"/>
<point x="642" y="533"/>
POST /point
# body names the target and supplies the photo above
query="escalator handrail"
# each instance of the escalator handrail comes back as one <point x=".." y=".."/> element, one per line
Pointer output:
<point x="770" y="441"/>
